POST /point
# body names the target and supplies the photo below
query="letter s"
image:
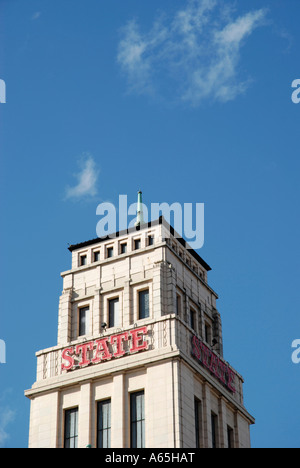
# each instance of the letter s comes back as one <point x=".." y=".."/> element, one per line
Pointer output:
<point x="67" y="356"/>
<point x="296" y="353"/>
<point x="296" y="93"/>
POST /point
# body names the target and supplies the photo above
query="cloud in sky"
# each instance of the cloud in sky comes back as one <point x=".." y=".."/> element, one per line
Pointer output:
<point x="6" y="417"/>
<point x="86" y="180"/>
<point x="36" y="15"/>
<point x="194" y="54"/>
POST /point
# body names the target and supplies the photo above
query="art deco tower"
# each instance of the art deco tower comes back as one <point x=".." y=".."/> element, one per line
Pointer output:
<point x="139" y="355"/>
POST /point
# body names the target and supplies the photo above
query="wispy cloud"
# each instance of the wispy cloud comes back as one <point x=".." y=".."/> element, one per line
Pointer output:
<point x="86" y="180"/>
<point x="192" y="56"/>
<point x="36" y="15"/>
<point x="7" y="416"/>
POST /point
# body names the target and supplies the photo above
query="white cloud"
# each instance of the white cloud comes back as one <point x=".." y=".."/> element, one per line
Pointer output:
<point x="192" y="56"/>
<point x="6" y="417"/>
<point x="36" y="15"/>
<point x="235" y="32"/>
<point x="87" y="179"/>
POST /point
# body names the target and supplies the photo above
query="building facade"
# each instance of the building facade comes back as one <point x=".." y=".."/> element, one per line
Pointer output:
<point x="139" y="355"/>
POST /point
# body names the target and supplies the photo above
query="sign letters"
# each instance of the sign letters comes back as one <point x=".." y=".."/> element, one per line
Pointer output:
<point x="104" y="349"/>
<point x="213" y="363"/>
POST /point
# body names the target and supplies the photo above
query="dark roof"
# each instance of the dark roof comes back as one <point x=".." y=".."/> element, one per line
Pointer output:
<point x="161" y="220"/>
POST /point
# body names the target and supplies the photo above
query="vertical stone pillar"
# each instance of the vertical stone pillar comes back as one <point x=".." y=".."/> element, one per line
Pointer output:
<point x="84" y="416"/>
<point x="64" y="317"/>
<point x="171" y="290"/>
<point x="118" y="409"/>
<point x="56" y="416"/>
<point x="207" y="416"/>
<point x="157" y="303"/>
<point x="201" y="323"/>
<point x="236" y="430"/>
<point x="97" y="313"/>
<point x="126" y="305"/>
<point x="217" y="331"/>
<point x="222" y="423"/>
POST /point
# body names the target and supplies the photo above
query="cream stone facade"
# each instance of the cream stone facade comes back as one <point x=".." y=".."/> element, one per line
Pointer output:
<point x="164" y="346"/>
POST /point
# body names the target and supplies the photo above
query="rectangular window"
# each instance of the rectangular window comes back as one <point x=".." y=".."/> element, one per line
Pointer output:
<point x="97" y="256"/>
<point x="144" y="304"/>
<point x="207" y="330"/>
<point x="214" y="430"/>
<point x="123" y="248"/>
<point x="137" y="244"/>
<point x="113" y="305"/>
<point x="230" y="440"/>
<point x="150" y="240"/>
<point x="103" y="424"/>
<point x="197" y="405"/>
<point x="192" y="319"/>
<point x="178" y="305"/>
<point x="109" y="252"/>
<point x="71" y="428"/>
<point x="83" y="260"/>
<point x="137" y="420"/>
<point x="83" y="321"/>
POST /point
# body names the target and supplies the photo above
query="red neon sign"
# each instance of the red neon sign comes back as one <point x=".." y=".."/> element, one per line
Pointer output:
<point x="94" y="352"/>
<point x="213" y="363"/>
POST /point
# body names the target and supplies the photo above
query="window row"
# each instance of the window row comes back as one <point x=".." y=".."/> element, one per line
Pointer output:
<point x="188" y="259"/>
<point x="201" y="323"/>
<point x="137" y="423"/>
<point x="109" y="250"/>
<point x="114" y="313"/>
<point x="215" y="434"/>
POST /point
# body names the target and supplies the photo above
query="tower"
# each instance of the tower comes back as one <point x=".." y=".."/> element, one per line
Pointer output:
<point x="139" y="354"/>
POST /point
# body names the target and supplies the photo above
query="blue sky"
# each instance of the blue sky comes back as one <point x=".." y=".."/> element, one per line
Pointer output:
<point x="189" y="101"/>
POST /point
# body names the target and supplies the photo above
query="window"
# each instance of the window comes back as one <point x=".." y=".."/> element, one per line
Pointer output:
<point x="97" y="256"/>
<point x="150" y="240"/>
<point x="207" y="330"/>
<point x="82" y="260"/>
<point x="178" y="305"/>
<point x="137" y="244"/>
<point x="123" y="248"/>
<point x="113" y="306"/>
<point x="83" y="321"/>
<point x="137" y="420"/>
<point x="192" y="319"/>
<point x="197" y="405"/>
<point x="109" y="252"/>
<point x="144" y="304"/>
<point x="103" y="423"/>
<point x="214" y="430"/>
<point x="230" y="441"/>
<point x="71" y="428"/>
